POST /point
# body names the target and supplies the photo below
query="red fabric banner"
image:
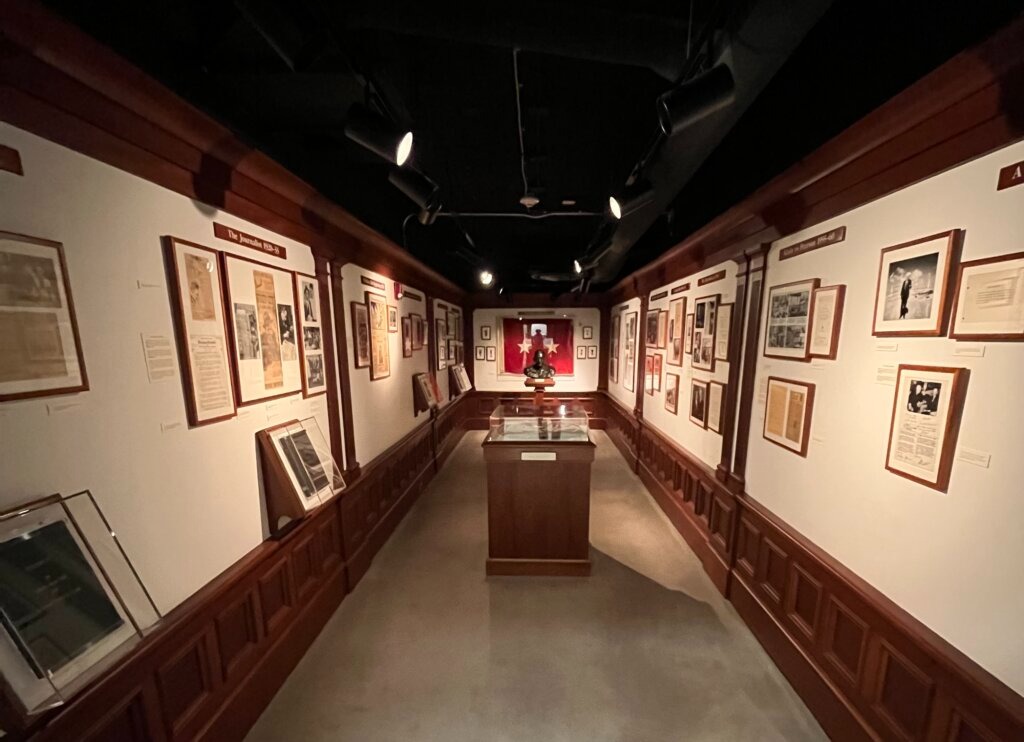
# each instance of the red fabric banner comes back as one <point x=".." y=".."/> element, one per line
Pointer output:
<point x="522" y="338"/>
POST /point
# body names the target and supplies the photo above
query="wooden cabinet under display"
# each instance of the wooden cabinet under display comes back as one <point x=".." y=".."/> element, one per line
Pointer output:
<point x="538" y="490"/>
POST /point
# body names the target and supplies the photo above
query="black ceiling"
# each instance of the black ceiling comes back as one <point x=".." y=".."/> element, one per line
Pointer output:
<point x="284" y="75"/>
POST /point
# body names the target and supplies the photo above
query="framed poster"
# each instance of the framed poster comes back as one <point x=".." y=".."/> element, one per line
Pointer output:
<point x="699" y="403"/>
<point x="592" y="352"/>
<point x="485" y="332"/>
<point x="406" y="337"/>
<point x="688" y="335"/>
<point x="649" y="374"/>
<point x="651" y="329"/>
<point x="672" y="393"/>
<point x="380" y="353"/>
<point x="723" y="332"/>
<point x="310" y="333"/>
<point x="588" y="332"/>
<point x="392" y="319"/>
<point x="480" y="353"/>
<point x="826" y="318"/>
<point x="676" y="321"/>
<point x="989" y="299"/>
<point x="416" y="324"/>
<point x="360" y="335"/>
<point x="613" y="350"/>
<point x="581" y="352"/>
<point x="629" y="373"/>
<point x="441" y="343"/>
<point x="42" y="351"/>
<point x="261" y="298"/>
<point x="787" y="414"/>
<point x="491" y="353"/>
<point x="705" y="312"/>
<point x="926" y="412"/>
<point x="787" y="326"/>
<point x="202" y="331"/>
<point x="912" y="286"/>
<point x="716" y="395"/>
<point x="658" y="360"/>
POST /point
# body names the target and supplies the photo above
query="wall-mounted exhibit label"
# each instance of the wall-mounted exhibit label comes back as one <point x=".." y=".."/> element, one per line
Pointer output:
<point x="887" y="347"/>
<point x="159" y="357"/>
<point x="813" y="243"/>
<point x="169" y="427"/>
<point x="973" y="349"/>
<point x="1011" y="175"/>
<point x="886" y="374"/>
<point x="411" y="295"/>
<point x="716" y="276"/>
<point x="538" y="456"/>
<point x="57" y="408"/>
<point x="144" y="284"/>
<point x="659" y="295"/>
<point x="973" y="456"/>
<point x="248" y="240"/>
<point x="681" y="288"/>
<point x="367" y="281"/>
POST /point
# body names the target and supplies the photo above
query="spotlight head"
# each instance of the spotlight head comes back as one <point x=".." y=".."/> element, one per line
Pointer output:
<point x="632" y="199"/>
<point x="614" y="207"/>
<point x="486" y="278"/>
<point x="694" y="99"/>
<point x="378" y="135"/>
<point x="421" y="190"/>
<point x="577" y="267"/>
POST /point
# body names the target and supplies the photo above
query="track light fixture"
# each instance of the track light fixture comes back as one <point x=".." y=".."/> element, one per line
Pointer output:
<point x="421" y="190"/>
<point x="695" y="99"/>
<point x="631" y="200"/>
<point x="378" y="135"/>
<point x="577" y="267"/>
<point x="486" y="278"/>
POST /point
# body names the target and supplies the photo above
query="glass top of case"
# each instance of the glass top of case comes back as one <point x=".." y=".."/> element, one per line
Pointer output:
<point x="525" y="422"/>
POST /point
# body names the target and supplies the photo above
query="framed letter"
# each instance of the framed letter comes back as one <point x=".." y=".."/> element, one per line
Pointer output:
<point x="913" y="278"/>
<point x="672" y="393"/>
<point x="787" y="414"/>
<point x="827" y="316"/>
<point x="989" y="299"/>
<point x="722" y="332"/>
<point x="651" y="335"/>
<point x="311" y="341"/>
<point x="788" y="322"/>
<point x="613" y="350"/>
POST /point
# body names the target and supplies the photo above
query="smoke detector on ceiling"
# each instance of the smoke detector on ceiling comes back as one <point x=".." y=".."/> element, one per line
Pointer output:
<point x="529" y="200"/>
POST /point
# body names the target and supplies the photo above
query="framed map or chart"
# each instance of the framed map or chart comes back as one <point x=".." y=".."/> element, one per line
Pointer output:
<point x="42" y="352"/>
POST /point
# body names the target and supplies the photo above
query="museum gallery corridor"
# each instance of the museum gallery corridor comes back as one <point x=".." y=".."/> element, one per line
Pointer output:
<point x="428" y="648"/>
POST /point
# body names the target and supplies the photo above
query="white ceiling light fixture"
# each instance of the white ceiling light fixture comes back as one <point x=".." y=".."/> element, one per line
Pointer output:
<point x="486" y="278"/>
<point x="404" y="149"/>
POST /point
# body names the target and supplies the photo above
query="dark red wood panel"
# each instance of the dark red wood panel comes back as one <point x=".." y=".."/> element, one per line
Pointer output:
<point x="237" y="634"/>
<point x="275" y="590"/>
<point x="803" y="601"/>
<point x="903" y="694"/>
<point x="845" y="642"/>
<point x="186" y="684"/>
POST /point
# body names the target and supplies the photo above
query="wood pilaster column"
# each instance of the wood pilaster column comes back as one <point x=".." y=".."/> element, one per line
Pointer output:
<point x="340" y="333"/>
<point x="604" y="347"/>
<point x="737" y="358"/>
<point x="641" y="356"/>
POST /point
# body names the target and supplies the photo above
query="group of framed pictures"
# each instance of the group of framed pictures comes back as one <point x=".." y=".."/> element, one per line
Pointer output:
<point x="372" y="321"/>
<point x="706" y="399"/>
<point x="486" y="353"/>
<point x="803" y="320"/>
<point x="703" y="335"/>
<point x="586" y="351"/>
<point x="448" y="326"/>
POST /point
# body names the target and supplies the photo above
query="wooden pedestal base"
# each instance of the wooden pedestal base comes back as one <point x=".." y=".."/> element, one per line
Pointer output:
<point x="539" y="567"/>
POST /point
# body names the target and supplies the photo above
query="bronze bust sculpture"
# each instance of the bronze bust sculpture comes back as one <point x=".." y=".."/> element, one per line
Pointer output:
<point x="540" y="369"/>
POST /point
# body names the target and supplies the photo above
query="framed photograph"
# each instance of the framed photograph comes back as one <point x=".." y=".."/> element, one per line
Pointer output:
<point x="42" y="351"/>
<point x="418" y="333"/>
<point x="380" y="352"/>
<point x="787" y="414"/>
<point x="989" y="299"/>
<point x="676" y="322"/>
<point x="651" y="329"/>
<point x="581" y="352"/>
<point x="716" y="396"/>
<point x="723" y="332"/>
<point x="392" y="319"/>
<point x="197" y="292"/>
<point x="672" y="393"/>
<point x="926" y="412"/>
<point x="699" y="403"/>
<point x="629" y="373"/>
<point x="261" y="298"/>
<point x="912" y="286"/>
<point x="649" y="374"/>
<point x="304" y="458"/>
<point x="480" y="353"/>
<point x="406" y="337"/>
<point x="310" y="334"/>
<point x="826" y="318"/>
<point x="613" y="350"/>
<point x="491" y="353"/>
<point x="788" y="322"/>
<point x="662" y="328"/>
<point x="705" y="310"/>
<point x="588" y="332"/>
<point x="442" y="343"/>
<point x="658" y="361"/>
<point x="485" y="332"/>
<point x="455" y="324"/>
<point x="360" y="334"/>
<point x="592" y="352"/>
<point x="688" y="335"/>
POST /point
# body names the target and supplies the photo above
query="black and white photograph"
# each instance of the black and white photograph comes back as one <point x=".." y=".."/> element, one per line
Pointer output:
<point x="485" y="332"/>
<point x="308" y="301"/>
<point x="912" y="287"/>
<point x="492" y="353"/>
<point x="314" y="370"/>
<point x="699" y="402"/>
<point x="651" y="334"/>
<point x="789" y="318"/>
<point x="247" y="332"/>
<point x="286" y="325"/>
<point x="698" y="317"/>
<point x="923" y="398"/>
<point x="480" y="353"/>
<point x="311" y="338"/>
<point x="592" y="352"/>
<point x="28" y="281"/>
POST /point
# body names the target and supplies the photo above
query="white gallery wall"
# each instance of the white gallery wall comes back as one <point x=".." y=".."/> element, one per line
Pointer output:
<point x="705" y="444"/>
<point x="951" y="559"/>
<point x="585" y="371"/>
<point x="382" y="409"/>
<point x="186" y="503"/>
<point x="618" y="388"/>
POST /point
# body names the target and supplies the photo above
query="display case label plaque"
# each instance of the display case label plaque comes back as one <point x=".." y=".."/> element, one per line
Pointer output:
<point x="248" y="240"/>
<point x="822" y="240"/>
<point x="1011" y="175"/>
<point x="538" y="456"/>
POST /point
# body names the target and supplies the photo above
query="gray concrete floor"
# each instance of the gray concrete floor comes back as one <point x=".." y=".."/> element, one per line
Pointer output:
<point x="428" y="648"/>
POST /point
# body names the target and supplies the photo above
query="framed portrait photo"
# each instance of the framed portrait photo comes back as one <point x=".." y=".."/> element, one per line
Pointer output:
<point x="310" y="331"/>
<point x="787" y="325"/>
<point x="676" y="322"/>
<point x="406" y="337"/>
<point x="42" y="351"/>
<point x="651" y="328"/>
<point x="699" y="403"/>
<point x="787" y="414"/>
<point x="716" y="396"/>
<point x="912" y="287"/>
<point x="592" y="352"/>
<point x="658" y="367"/>
<point x="441" y="343"/>
<point x="672" y="393"/>
<point x="702" y="354"/>
<point x="417" y="325"/>
<point x="392" y="319"/>
<point x="581" y="352"/>
<point x="989" y="299"/>
<point x="662" y="328"/>
<point x="926" y="412"/>
<point x="485" y="332"/>
<point x="826" y="319"/>
<point x="588" y="332"/>
<point x="688" y="335"/>
<point x="360" y="334"/>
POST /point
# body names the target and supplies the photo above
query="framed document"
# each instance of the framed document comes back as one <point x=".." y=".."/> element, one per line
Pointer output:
<point x="480" y="353"/>
<point x="629" y="377"/>
<point x="705" y="314"/>
<point x="672" y="393"/>
<point x="926" y="413"/>
<point x="699" y="403"/>
<point x="676" y="320"/>
<point x="658" y="360"/>
<point x="201" y="326"/>
<point x="592" y="352"/>
<point x="581" y="352"/>
<point x="723" y="330"/>
<point x="406" y="337"/>
<point x="380" y="353"/>
<point x="441" y="343"/>
<point x="651" y="332"/>
<point x="787" y="414"/>
<point x="989" y="299"/>
<point x="826" y="318"/>
<point x="416" y="322"/>
<point x="588" y="332"/>
<point x="688" y="335"/>
<point x="266" y="354"/>
<point x="311" y="340"/>
<point x="649" y="374"/>
<point x="787" y="325"/>
<point x="360" y="334"/>
<point x="42" y="351"/>
<point x="485" y="332"/>
<point x="913" y="282"/>
<point x="716" y="396"/>
<point x="392" y="319"/>
<point x="613" y="350"/>
<point x="492" y="354"/>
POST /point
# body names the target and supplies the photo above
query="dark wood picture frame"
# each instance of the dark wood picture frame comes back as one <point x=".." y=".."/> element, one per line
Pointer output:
<point x="480" y="353"/>
<point x="980" y="336"/>
<point x="651" y="328"/>
<point x="485" y="332"/>
<point x="441" y="343"/>
<point x="718" y="329"/>
<point x="592" y="352"/>
<point x="588" y="332"/>
<point x="815" y="283"/>
<point x="83" y="386"/>
<point x="581" y="352"/>
<point x="659" y="369"/>
<point x="406" y="337"/>
<point x="492" y="353"/>
<point x="300" y="319"/>
<point x="808" y="414"/>
<point x="837" y="320"/>
<point x="358" y="308"/>
<point x="672" y="405"/>
<point x="649" y="374"/>
<point x="374" y="296"/>
<point x="699" y="422"/>
<point x="721" y="405"/>
<point x="393" y="315"/>
<point x="417" y="331"/>
<point x="673" y="329"/>
<point x="714" y="299"/>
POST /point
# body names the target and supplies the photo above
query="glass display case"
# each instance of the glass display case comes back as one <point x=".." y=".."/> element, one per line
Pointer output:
<point x="521" y="422"/>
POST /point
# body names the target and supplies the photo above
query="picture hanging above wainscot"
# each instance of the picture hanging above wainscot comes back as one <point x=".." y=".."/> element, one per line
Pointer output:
<point x="672" y="393"/>
<point x="380" y="352"/>
<point x="360" y="334"/>
<point x="676" y="327"/>
<point x="787" y="414"/>
<point x="629" y="372"/>
<point x="705" y="315"/>
<point x="716" y="398"/>
<point x="613" y="349"/>
<point x="989" y="299"/>
<point x="912" y="288"/>
<point x="406" y="337"/>
<point x="826" y="318"/>
<point x="699" y="403"/>
<point x="788" y="320"/>
<point x="311" y="340"/>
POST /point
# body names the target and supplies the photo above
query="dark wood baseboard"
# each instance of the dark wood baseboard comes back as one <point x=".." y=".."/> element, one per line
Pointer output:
<point x="538" y="567"/>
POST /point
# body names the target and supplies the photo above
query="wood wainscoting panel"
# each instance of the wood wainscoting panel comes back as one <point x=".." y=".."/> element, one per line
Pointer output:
<point x="902" y="693"/>
<point x="186" y="683"/>
<point x="748" y="546"/>
<point x="276" y="598"/>
<point x="844" y="644"/>
<point x="803" y="602"/>
<point x="304" y="565"/>
<point x="125" y="723"/>
<point x="328" y="544"/>
<point x="773" y="565"/>
<point x="238" y="634"/>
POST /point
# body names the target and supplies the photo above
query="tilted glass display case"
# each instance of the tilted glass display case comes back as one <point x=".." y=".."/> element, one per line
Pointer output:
<point x="525" y="422"/>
